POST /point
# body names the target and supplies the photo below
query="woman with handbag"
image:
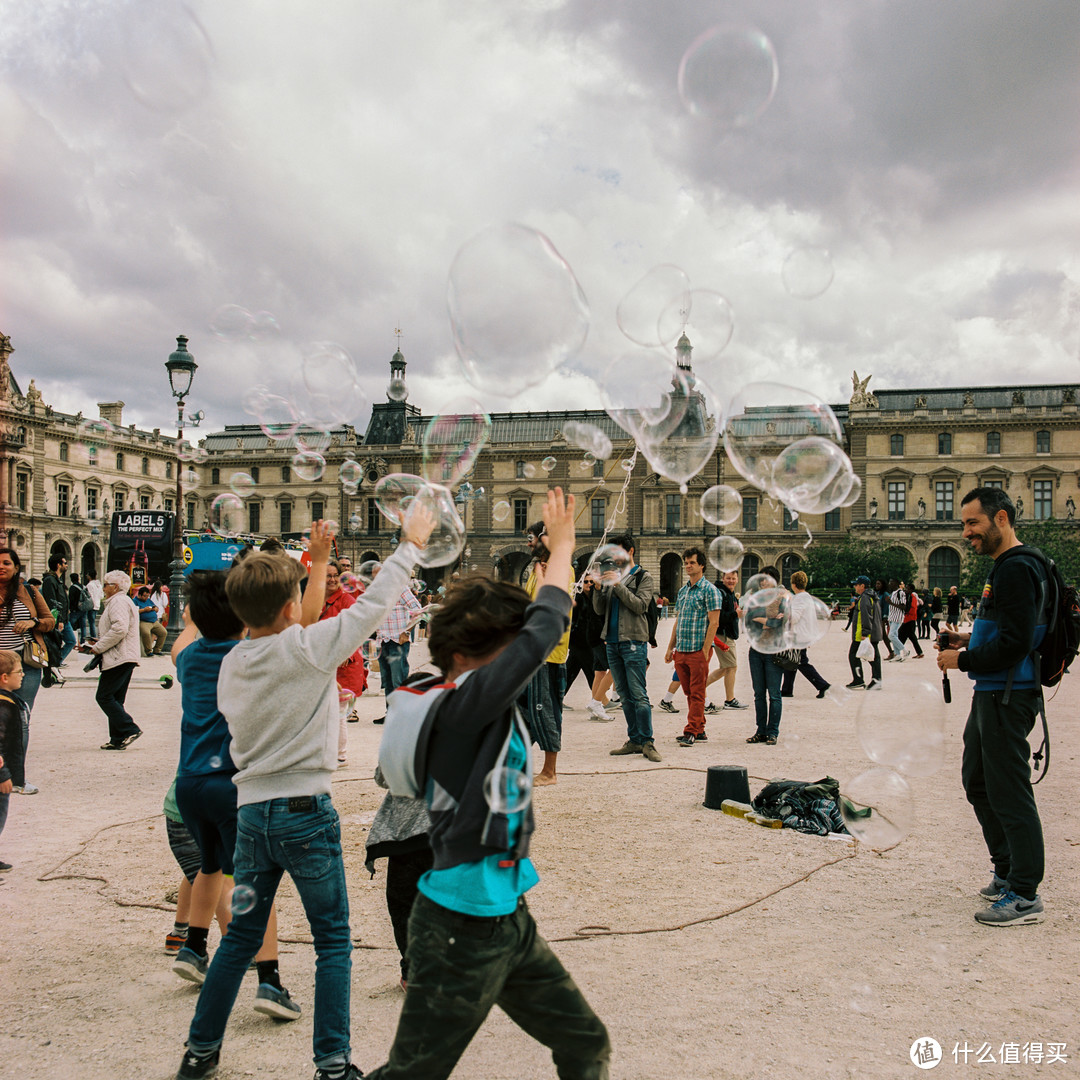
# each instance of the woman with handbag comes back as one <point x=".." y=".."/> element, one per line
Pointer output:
<point x="24" y="618"/>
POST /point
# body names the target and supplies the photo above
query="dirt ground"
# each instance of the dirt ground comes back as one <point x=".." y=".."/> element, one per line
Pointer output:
<point x="725" y="949"/>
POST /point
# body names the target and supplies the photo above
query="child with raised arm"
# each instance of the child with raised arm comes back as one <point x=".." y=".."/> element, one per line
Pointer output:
<point x="459" y="739"/>
<point x="278" y="693"/>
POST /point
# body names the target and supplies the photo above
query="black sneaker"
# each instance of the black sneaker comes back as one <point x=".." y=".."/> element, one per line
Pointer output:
<point x="856" y="684"/>
<point x="194" y="1067"/>
<point x="701" y="738"/>
<point x="381" y="720"/>
<point x="4" y="867"/>
<point x="735" y="703"/>
<point x="667" y="706"/>
<point x="686" y="739"/>
<point x="351" y="1073"/>
<point x="711" y="708"/>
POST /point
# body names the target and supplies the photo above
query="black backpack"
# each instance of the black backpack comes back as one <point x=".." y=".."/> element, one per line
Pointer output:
<point x="652" y="612"/>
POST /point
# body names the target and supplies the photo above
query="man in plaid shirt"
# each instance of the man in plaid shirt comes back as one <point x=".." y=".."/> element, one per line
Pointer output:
<point x="393" y="639"/>
<point x="697" y="614"/>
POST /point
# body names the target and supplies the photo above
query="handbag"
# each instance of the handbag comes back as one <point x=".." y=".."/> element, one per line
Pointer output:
<point x="34" y="653"/>
<point x="865" y="651"/>
<point x="788" y="660"/>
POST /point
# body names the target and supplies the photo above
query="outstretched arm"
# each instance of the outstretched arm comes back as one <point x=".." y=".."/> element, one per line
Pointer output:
<point x="315" y="594"/>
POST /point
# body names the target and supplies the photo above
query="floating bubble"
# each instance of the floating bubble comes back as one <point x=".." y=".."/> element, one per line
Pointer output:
<point x="908" y="737"/>
<point x="397" y="389"/>
<point x="757" y="582"/>
<point x="529" y="471"/>
<point x="709" y="327"/>
<point x="231" y="321"/>
<point x="726" y="553"/>
<point x="350" y="472"/>
<point x="610" y="565"/>
<point x="646" y="395"/>
<point x="516" y="310"/>
<point x="92" y="435"/>
<point x="447" y="539"/>
<point x="764" y="618"/>
<point x="721" y="505"/>
<point x="394" y="490"/>
<point x="264" y="326"/>
<point x="351" y="583"/>
<point x="244" y="899"/>
<point x="807" y="272"/>
<point x="215" y="762"/>
<point x="367" y="570"/>
<point x="350" y="489"/>
<point x="254" y="399"/>
<point x="320" y="411"/>
<point x="507" y="791"/>
<point x="308" y="466"/>
<point x="853" y="493"/>
<point x="199" y="455"/>
<point x="242" y="484"/>
<point x="729" y="75"/>
<point x="189" y="480"/>
<point x="328" y="370"/>
<point x="877" y="807"/>
<point x="277" y="418"/>
<point x="587" y="437"/>
<point x="501" y="511"/>
<point x="665" y="288"/>
<point x="227" y="515"/>
<point x="806" y="468"/>
<point x="627" y="465"/>
<point x="314" y="440"/>
<point x="331" y="526"/>
<point x="548" y="464"/>
<point x="167" y="56"/>
<point x="807" y="621"/>
<point x="690" y="446"/>
<point x="453" y="440"/>
<point x="345" y="699"/>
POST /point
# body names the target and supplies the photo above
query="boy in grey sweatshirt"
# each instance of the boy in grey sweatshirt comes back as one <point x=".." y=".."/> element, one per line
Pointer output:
<point x="277" y="691"/>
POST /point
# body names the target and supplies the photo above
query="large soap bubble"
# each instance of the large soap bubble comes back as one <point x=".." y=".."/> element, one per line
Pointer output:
<point x="729" y="75"/>
<point x="664" y="289"/>
<point x="453" y="440"/>
<point x="308" y="466"/>
<point x="721" y="505"/>
<point x="447" y="540"/>
<point x="516" y="310"/>
<point x="807" y="467"/>
<point x="645" y="394"/>
<point x="763" y="419"/>
<point x="507" y="791"/>
<point x="684" y="451"/>
<point x="807" y="272"/>
<point x="709" y="327"/>
<point x="765" y="618"/>
<point x="807" y="621"/>
<point x="610" y="565"/>
<point x="908" y="735"/>
<point x="168" y="56"/>
<point x="242" y="484"/>
<point x="277" y="417"/>
<point x="877" y="807"/>
<point x="726" y="553"/>
<point x="395" y="491"/>
<point x="227" y="515"/>
<point x="587" y="437"/>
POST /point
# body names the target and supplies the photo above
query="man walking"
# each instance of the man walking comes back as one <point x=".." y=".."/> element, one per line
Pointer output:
<point x="1009" y="626"/>
<point x="623" y="608"/>
<point x="866" y="624"/>
<point x="727" y="631"/>
<point x="697" y="615"/>
<point x="56" y="596"/>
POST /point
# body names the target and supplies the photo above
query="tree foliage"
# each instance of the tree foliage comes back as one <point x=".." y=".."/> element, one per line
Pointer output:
<point x="1058" y="540"/>
<point x="831" y="565"/>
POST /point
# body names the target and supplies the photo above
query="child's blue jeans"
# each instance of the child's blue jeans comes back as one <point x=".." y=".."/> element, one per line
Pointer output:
<point x="270" y="840"/>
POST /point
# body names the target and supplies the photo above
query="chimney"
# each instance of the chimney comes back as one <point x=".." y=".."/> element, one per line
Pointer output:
<point x="111" y="411"/>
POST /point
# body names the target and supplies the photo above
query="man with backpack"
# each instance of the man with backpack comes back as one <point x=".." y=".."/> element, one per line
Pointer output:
<point x="624" y="608"/>
<point x="1000" y="656"/>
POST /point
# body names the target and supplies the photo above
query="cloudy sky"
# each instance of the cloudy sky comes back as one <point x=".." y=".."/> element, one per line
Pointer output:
<point x="325" y="164"/>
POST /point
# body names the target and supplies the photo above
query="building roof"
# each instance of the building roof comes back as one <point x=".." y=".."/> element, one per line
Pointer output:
<point x="987" y="397"/>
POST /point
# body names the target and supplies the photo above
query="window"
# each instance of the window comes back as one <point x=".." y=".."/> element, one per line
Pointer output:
<point x="519" y="470"/>
<point x="897" y="500"/>
<point x="144" y="502"/>
<point x="91" y="455"/>
<point x="285" y="518"/>
<point x="63" y="451"/>
<point x="286" y="474"/>
<point x="373" y="516"/>
<point x="1044" y="499"/>
<point x="168" y="506"/>
<point x="832" y="521"/>
<point x="943" y="569"/>
<point x="253" y="517"/>
<point x="1042" y="442"/>
<point x="21" y="435"/>
<point x="447" y="470"/>
<point x="598" y="508"/>
<point x="790" y="523"/>
<point x="994" y="484"/>
<point x="63" y="500"/>
<point x="944" y="443"/>
<point x="92" y="501"/>
<point x="521" y="515"/>
<point x="896" y="445"/>
<point x="119" y="462"/>
<point x="751" y="565"/>
<point x="22" y="482"/>
<point x="993" y="442"/>
<point x="254" y="472"/>
<point x="943" y="499"/>
<point x="598" y="469"/>
<point x="146" y="466"/>
<point x="168" y="470"/>
<point x="191" y="515"/>
<point x="788" y="565"/>
<point x="672" y="511"/>
<point x="749" y="517"/>
<point x="215" y="476"/>
<point x="316" y="511"/>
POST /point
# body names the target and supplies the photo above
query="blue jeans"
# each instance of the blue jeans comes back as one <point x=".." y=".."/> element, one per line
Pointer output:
<point x="67" y="637"/>
<point x="270" y="840"/>
<point x="767" y="677"/>
<point x="78" y="623"/>
<point x="627" y="661"/>
<point x="4" y="800"/>
<point x="393" y="665"/>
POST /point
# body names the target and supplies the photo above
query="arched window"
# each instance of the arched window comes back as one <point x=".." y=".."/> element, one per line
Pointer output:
<point x="943" y="569"/>
<point x="944" y="443"/>
<point x="751" y="565"/>
<point x="788" y="565"/>
<point x="993" y="442"/>
<point x="896" y="445"/>
<point x="119" y="462"/>
<point x="63" y="451"/>
<point x="146" y="466"/>
<point x="215" y="476"/>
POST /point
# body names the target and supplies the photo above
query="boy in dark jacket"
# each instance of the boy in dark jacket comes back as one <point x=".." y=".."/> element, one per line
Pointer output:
<point x="459" y="740"/>
<point x="11" y="729"/>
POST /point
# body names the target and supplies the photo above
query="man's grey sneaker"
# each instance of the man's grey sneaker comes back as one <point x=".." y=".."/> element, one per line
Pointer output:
<point x="996" y="887"/>
<point x="628" y="748"/>
<point x="351" y="1073"/>
<point x="686" y="739"/>
<point x="194" y="1067"/>
<point x="667" y="706"/>
<point x="191" y="966"/>
<point x="26" y="789"/>
<point x="613" y="702"/>
<point x="648" y="750"/>
<point x="711" y="708"/>
<point x="1012" y="910"/>
<point x="271" y="1001"/>
<point x="735" y="703"/>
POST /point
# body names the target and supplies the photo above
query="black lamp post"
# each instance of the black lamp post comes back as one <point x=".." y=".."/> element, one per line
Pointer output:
<point x="181" y="367"/>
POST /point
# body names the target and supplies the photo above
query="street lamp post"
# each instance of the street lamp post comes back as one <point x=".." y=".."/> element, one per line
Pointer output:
<point x="181" y="367"/>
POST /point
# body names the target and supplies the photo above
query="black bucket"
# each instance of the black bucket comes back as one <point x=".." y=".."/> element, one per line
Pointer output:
<point x="726" y="782"/>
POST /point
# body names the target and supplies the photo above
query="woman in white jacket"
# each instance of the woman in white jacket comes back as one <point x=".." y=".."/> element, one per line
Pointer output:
<point x="118" y="647"/>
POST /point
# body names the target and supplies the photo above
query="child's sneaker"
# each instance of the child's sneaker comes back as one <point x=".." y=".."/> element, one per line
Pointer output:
<point x="174" y="942"/>
<point x="271" y="1001"/>
<point x="194" y="1067"/>
<point x="191" y="966"/>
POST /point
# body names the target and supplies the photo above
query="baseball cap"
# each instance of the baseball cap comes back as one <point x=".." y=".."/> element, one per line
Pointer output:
<point x="862" y="579"/>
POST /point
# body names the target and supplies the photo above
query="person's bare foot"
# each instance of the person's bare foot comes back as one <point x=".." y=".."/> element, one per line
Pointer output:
<point x="543" y="779"/>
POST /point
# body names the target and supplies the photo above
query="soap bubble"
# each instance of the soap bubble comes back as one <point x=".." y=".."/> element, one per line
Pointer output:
<point x="610" y="565"/>
<point x="708" y="329"/>
<point x="507" y="791"/>
<point x="453" y="440"/>
<point x="328" y="370"/>
<point x="215" y="762"/>
<point x="529" y="471"/>
<point x="646" y="395"/>
<point x="690" y="446"/>
<point x="763" y="419"/>
<point x="516" y="310"/>
<point x="350" y="473"/>
<point x="804" y="469"/>
<point x="244" y="898"/>
<point x="351" y="583"/>
<point x="757" y="582"/>
<point x="877" y="807"/>
<point x="92" y="435"/>
<point x="199" y="454"/>
<point x="345" y="699"/>
<point x="729" y="75"/>
<point x="264" y="326"/>
<point x="241" y="484"/>
<point x="397" y="389"/>
<point x="447" y="539"/>
<point x="548" y="464"/>
<point x="167" y="56"/>
<point x="308" y="466"/>
<point x="726" y="553"/>
<point x="394" y="492"/>
<point x="854" y="492"/>
<point x="332" y="526"/>
<point x="807" y="272"/>
<point x="627" y="464"/>
<point x="764" y="616"/>
<point x="254" y="399"/>
<point x="501" y="511"/>
<point x="277" y="418"/>
<point x="367" y="570"/>
<point x="638" y="312"/>
<point x="231" y="321"/>
<point x="587" y="437"/>
<point x="227" y="515"/>
<point x="910" y="736"/>
<point x="721" y="505"/>
<point x="314" y="440"/>
<point x="189" y="480"/>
